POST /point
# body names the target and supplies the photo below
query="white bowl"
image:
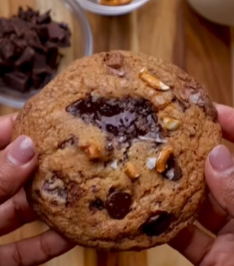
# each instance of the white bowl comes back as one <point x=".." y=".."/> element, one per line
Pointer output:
<point x="94" y="7"/>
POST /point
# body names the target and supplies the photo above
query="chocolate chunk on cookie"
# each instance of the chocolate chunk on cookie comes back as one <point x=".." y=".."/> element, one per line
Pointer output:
<point x="122" y="140"/>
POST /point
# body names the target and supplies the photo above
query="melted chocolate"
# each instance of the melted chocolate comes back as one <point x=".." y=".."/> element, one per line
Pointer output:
<point x="173" y="170"/>
<point x="97" y="204"/>
<point x="126" y="118"/>
<point x="157" y="224"/>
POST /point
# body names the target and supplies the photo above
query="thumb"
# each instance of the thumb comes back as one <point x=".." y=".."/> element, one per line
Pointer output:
<point x="219" y="172"/>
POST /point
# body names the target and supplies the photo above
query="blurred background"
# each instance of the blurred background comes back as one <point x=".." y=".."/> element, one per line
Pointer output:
<point x="169" y="29"/>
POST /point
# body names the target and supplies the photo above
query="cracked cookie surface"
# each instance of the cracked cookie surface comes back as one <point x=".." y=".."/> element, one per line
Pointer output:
<point x="122" y="140"/>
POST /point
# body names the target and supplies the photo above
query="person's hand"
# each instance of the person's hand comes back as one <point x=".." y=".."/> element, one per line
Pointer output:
<point x="217" y="214"/>
<point x="17" y="162"/>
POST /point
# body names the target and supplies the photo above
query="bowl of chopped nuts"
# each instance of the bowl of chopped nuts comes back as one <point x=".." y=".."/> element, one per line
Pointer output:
<point x="111" y="7"/>
<point x="37" y="43"/>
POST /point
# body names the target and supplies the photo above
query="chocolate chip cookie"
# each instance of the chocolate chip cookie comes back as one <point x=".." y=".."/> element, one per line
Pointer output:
<point x="122" y="140"/>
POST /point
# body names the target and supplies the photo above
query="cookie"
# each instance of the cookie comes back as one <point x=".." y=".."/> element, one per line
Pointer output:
<point x="122" y="140"/>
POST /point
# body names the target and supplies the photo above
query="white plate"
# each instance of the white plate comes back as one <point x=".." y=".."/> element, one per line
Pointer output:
<point x="94" y="7"/>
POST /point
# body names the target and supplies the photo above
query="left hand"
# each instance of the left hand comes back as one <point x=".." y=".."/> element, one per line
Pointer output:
<point x="17" y="162"/>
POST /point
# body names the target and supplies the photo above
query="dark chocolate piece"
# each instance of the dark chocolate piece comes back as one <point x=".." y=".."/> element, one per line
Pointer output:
<point x="96" y="204"/>
<point x="7" y="49"/>
<point x="6" y="27"/>
<point x="39" y="64"/>
<point x="42" y="32"/>
<point x="52" y="54"/>
<point x="27" y="15"/>
<point x="118" y="204"/>
<point x="26" y="57"/>
<point x="55" y="32"/>
<point x="157" y="224"/>
<point x="17" y="81"/>
<point x="44" y="18"/>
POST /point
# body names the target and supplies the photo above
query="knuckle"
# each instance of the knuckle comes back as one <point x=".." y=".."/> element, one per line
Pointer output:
<point x="45" y="247"/>
<point x="16" y="256"/>
<point x="18" y="212"/>
<point x="4" y="183"/>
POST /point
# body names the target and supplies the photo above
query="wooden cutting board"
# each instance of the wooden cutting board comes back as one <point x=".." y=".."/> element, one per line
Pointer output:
<point x="172" y="31"/>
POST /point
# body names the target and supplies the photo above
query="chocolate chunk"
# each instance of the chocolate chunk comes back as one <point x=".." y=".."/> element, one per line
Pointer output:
<point x="157" y="224"/>
<point x="52" y="54"/>
<point x="20" y="44"/>
<point x="7" y="49"/>
<point x="4" y="67"/>
<point x="127" y="117"/>
<point x="33" y="40"/>
<point x="118" y="204"/>
<point x="195" y="94"/>
<point x="44" y="18"/>
<point x="114" y="60"/>
<point x="96" y="204"/>
<point x="65" y="42"/>
<point x="6" y="27"/>
<point x="39" y="64"/>
<point x="19" y="26"/>
<point x="27" y="15"/>
<point x="26" y="57"/>
<point x="17" y="81"/>
<point x="65" y="27"/>
<point x="55" y="32"/>
<point x="39" y="80"/>
<point x="173" y="171"/>
<point x="42" y="32"/>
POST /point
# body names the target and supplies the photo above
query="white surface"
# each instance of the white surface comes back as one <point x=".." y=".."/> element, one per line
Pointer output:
<point x="219" y="11"/>
<point x="94" y="7"/>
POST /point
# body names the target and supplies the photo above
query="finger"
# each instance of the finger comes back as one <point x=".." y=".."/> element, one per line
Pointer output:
<point x="212" y="216"/>
<point x="6" y="126"/>
<point x="220" y="177"/>
<point x="192" y="243"/>
<point x="226" y="120"/>
<point x="17" y="163"/>
<point x="34" y="251"/>
<point x="16" y="212"/>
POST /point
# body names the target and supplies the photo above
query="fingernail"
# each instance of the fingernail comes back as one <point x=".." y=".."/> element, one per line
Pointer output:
<point x="21" y="151"/>
<point x="221" y="159"/>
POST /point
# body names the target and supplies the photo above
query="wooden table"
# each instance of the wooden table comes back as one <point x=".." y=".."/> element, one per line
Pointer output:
<point x="171" y="30"/>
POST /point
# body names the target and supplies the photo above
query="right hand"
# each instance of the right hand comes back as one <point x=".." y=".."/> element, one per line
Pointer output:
<point x="217" y="214"/>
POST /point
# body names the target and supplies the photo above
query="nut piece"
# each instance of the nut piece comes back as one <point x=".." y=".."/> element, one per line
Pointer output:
<point x="114" y="2"/>
<point x="152" y="81"/>
<point x="164" y="155"/>
<point x="131" y="171"/>
<point x="92" y="151"/>
<point x="171" y="123"/>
